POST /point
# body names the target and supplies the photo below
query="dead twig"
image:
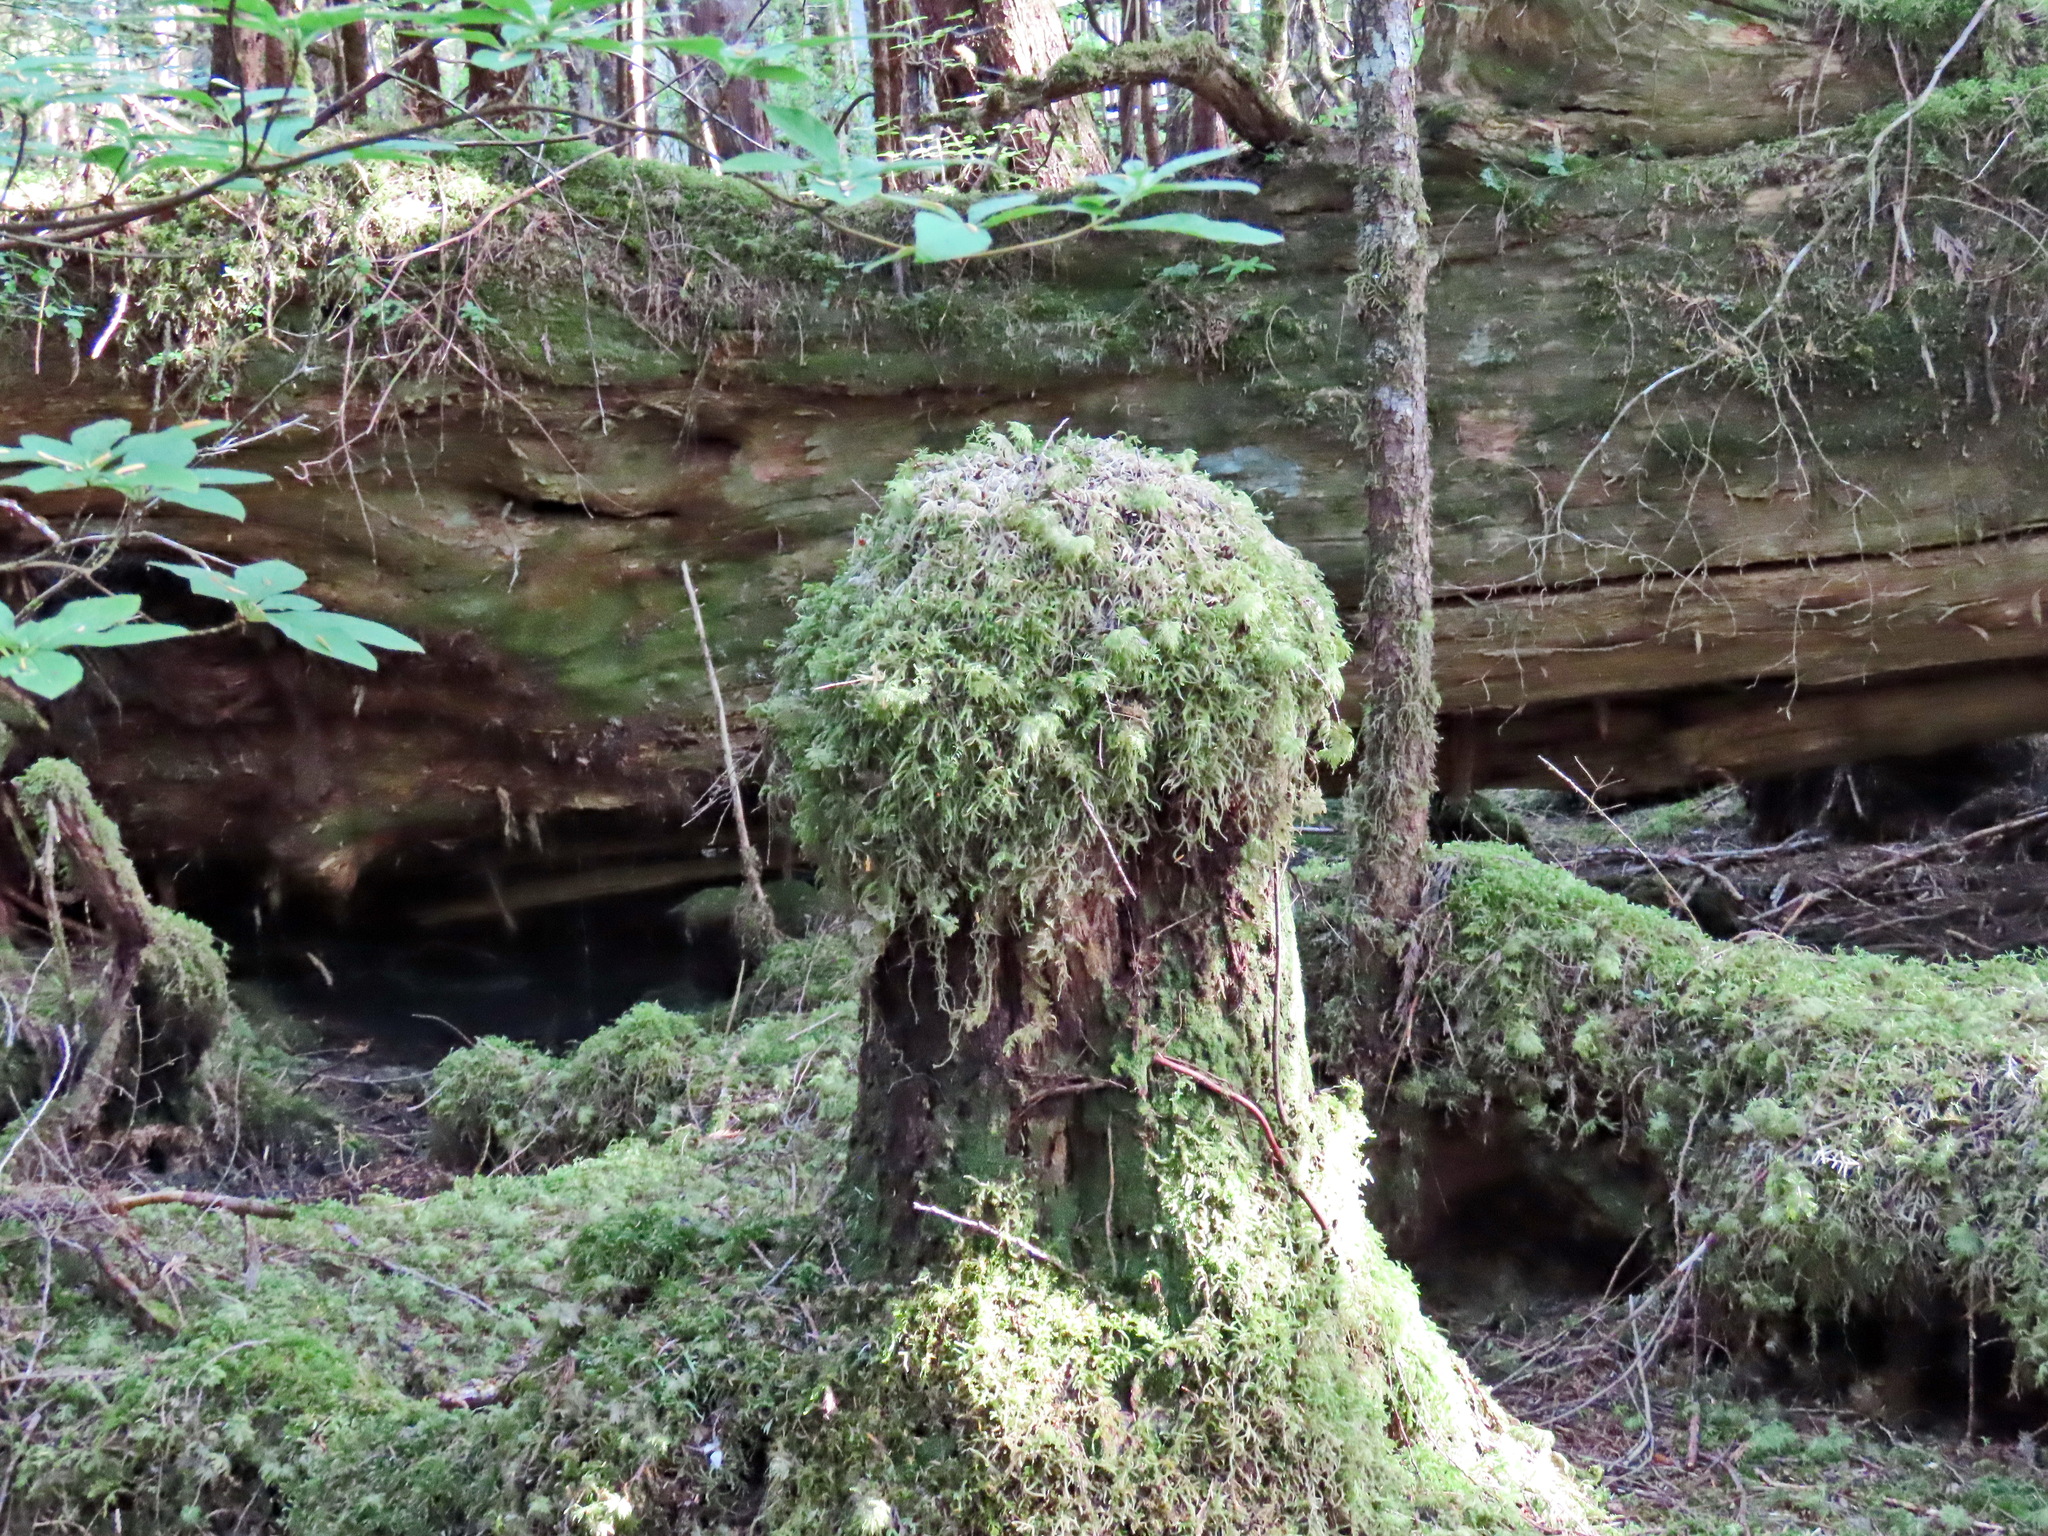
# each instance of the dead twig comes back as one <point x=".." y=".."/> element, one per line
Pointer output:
<point x="231" y="1205"/>
<point x="1009" y="1239"/>
<point x="1223" y="1090"/>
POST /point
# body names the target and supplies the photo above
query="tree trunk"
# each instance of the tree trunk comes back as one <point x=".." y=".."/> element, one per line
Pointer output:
<point x="1205" y="126"/>
<point x="353" y="63"/>
<point x="1387" y="808"/>
<point x="889" y="55"/>
<point x="249" y="61"/>
<point x="417" y="64"/>
<point x="491" y="87"/>
<point x="738" y="119"/>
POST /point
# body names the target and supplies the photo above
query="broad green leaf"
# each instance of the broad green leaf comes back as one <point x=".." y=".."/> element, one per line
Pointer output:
<point x="250" y="584"/>
<point x="203" y="498"/>
<point x="160" y="450"/>
<point x="988" y="207"/>
<point x="947" y="237"/>
<point x="808" y="132"/>
<point x="46" y="674"/>
<point x="94" y="621"/>
<point x="764" y="162"/>
<point x="321" y="634"/>
<point x="1200" y="157"/>
<point x="96" y="438"/>
<point x="383" y="636"/>
<point x="1201" y="227"/>
<point x="230" y="477"/>
<point x="40" y="482"/>
<point x="768" y="74"/>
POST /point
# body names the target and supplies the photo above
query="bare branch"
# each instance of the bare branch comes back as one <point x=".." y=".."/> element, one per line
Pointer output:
<point x="1197" y="64"/>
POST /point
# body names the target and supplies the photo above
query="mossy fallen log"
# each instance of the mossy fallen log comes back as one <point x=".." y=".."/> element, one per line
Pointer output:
<point x="1851" y="1130"/>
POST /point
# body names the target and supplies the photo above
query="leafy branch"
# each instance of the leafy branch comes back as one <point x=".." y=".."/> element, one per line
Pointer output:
<point x="145" y="470"/>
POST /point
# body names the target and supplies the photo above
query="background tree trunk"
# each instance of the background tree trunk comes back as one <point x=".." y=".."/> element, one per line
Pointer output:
<point x="889" y="66"/>
<point x="417" y="64"/>
<point x="1388" y="804"/>
<point x="1205" y="128"/>
<point x="737" y="119"/>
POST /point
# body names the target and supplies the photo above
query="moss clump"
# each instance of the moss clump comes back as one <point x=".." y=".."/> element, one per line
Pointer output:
<point x="1849" y="1128"/>
<point x="507" y="1107"/>
<point x="1034" y="647"/>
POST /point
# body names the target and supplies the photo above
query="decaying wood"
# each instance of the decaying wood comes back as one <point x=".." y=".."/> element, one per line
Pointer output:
<point x="1197" y="64"/>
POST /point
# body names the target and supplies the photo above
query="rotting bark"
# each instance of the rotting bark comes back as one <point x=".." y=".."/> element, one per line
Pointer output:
<point x="1387" y="807"/>
<point x="1196" y="63"/>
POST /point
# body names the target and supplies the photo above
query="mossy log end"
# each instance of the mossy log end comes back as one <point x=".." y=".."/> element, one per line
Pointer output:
<point x="1851" y="1130"/>
<point x="134" y="1035"/>
<point x="1197" y="64"/>
<point x="1052" y="724"/>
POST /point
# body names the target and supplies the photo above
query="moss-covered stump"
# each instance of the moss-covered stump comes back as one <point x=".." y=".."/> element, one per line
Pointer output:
<point x="109" y="1019"/>
<point x="1051" y="723"/>
<point x="1851" y="1130"/>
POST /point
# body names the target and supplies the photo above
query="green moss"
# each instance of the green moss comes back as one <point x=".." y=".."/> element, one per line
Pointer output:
<point x="508" y="1107"/>
<point x="1038" y="646"/>
<point x="1848" y="1128"/>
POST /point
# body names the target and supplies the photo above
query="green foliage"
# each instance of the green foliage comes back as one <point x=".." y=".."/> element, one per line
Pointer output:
<point x="1847" y="1127"/>
<point x="145" y="467"/>
<point x="267" y="593"/>
<point x="1138" y="650"/>
<point x="942" y="231"/>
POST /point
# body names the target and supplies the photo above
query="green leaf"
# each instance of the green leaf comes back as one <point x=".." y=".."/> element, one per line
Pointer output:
<point x="93" y="621"/>
<point x="808" y="132"/>
<point x="988" y="207"/>
<point x="160" y="450"/>
<point x="46" y="674"/>
<point x="40" y="482"/>
<point x="1201" y="227"/>
<point x="250" y="584"/>
<point x="341" y="636"/>
<point x="764" y="162"/>
<point x="947" y="237"/>
<point x="1200" y="157"/>
<point x="204" y="498"/>
<point x="230" y="477"/>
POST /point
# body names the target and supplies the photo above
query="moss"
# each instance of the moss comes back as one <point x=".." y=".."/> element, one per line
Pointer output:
<point x="1847" y="1128"/>
<point x="509" y="1107"/>
<point x="1034" y="647"/>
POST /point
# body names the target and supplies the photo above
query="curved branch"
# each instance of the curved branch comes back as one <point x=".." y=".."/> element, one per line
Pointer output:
<point x="1196" y="63"/>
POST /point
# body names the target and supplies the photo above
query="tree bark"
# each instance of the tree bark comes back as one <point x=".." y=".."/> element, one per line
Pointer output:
<point x="889" y="66"/>
<point x="250" y="61"/>
<point x="737" y="110"/>
<point x="1052" y="1083"/>
<point x="1197" y="63"/>
<point x="420" y="68"/>
<point x="1205" y="124"/>
<point x="1388" y="804"/>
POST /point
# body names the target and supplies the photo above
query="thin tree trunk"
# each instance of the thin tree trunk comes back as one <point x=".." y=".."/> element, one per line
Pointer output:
<point x="352" y="63"/>
<point x="1388" y="804"/>
<point x="1205" y="127"/>
<point x="739" y="121"/>
<point x="420" y="68"/>
<point x="491" y="87"/>
<point x="889" y="46"/>
<point x="1276" y="35"/>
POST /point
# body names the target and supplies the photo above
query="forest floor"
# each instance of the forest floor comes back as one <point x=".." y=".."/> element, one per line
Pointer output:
<point x="1687" y="1436"/>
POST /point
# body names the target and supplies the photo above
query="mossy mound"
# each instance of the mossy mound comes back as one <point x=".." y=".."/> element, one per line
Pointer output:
<point x="1038" y="647"/>
<point x="1848" y="1128"/>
